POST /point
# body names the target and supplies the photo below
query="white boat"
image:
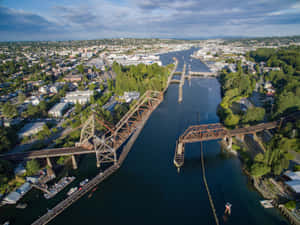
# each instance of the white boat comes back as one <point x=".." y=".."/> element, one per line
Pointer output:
<point x="267" y="204"/>
<point x="84" y="182"/>
<point x="72" y="190"/>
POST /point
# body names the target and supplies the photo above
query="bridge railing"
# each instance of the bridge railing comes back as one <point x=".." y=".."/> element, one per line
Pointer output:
<point x="141" y="101"/>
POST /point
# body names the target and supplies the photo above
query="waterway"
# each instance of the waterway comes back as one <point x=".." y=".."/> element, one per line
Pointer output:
<point x="147" y="190"/>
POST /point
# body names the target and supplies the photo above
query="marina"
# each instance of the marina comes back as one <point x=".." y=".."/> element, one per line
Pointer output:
<point x="59" y="186"/>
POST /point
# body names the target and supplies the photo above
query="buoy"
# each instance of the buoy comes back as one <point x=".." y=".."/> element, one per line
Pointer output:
<point x="228" y="208"/>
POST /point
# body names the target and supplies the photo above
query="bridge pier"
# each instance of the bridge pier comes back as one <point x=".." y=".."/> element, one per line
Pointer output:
<point x="98" y="163"/>
<point x="241" y="137"/>
<point x="49" y="164"/>
<point x="228" y="141"/>
<point x="180" y="93"/>
<point x="255" y="137"/>
<point x="74" y="163"/>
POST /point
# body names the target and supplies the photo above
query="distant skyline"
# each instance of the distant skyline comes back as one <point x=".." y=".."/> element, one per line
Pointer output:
<point x="96" y="19"/>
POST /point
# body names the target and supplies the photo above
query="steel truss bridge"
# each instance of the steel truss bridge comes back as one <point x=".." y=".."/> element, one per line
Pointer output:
<point x="99" y="137"/>
<point x="214" y="131"/>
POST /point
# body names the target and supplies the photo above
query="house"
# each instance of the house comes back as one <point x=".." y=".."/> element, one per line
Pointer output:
<point x="55" y="88"/>
<point x="30" y="129"/>
<point x="73" y="78"/>
<point x="44" y="89"/>
<point x="58" y="109"/>
<point x="269" y="69"/>
<point x="269" y="88"/>
<point x="245" y="104"/>
<point x="267" y="85"/>
<point x="34" y="100"/>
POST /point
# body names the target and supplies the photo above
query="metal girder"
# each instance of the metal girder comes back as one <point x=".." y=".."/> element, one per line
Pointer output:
<point x="105" y="153"/>
<point x="217" y="131"/>
<point x="88" y="130"/>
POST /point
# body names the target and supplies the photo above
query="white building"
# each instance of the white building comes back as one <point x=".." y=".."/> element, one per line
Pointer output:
<point x="44" y="89"/>
<point x="81" y="97"/>
<point x="34" y="100"/>
<point x="58" y="109"/>
<point x="30" y="129"/>
<point x="129" y="96"/>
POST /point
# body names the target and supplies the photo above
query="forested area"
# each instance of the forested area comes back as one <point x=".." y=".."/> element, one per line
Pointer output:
<point x="236" y="86"/>
<point x="140" y="78"/>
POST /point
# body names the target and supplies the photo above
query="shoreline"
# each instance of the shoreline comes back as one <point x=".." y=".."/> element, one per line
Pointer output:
<point x="284" y="212"/>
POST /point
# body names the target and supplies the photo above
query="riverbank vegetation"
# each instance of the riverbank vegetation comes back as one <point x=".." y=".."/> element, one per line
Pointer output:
<point x="140" y="78"/>
<point x="280" y="69"/>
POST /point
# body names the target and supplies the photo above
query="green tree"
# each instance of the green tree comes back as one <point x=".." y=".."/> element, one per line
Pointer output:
<point x="254" y="114"/>
<point x="80" y="68"/>
<point x="231" y="120"/>
<point x="9" y="110"/>
<point x="21" y="97"/>
<point x="259" y="169"/>
<point x="291" y="205"/>
<point x="32" y="167"/>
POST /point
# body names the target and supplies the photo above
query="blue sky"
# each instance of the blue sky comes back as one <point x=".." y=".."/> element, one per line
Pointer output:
<point x="96" y="19"/>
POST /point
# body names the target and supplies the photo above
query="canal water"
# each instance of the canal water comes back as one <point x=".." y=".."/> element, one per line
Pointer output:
<point x="148" y="190"/>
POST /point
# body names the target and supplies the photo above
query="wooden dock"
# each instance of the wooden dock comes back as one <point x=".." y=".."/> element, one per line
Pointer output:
<point x="181" y="84"/>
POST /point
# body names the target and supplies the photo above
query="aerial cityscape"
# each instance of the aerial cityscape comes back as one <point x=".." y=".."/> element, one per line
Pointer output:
<point x="150" y="112"/>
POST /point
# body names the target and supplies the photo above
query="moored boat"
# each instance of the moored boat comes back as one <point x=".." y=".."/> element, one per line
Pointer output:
<point x="72" y="190"/>
<point x="84" y="182"/>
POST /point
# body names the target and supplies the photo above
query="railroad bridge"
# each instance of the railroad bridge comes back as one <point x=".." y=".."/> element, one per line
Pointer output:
<point x="98" y="137"/>
<point x="206" y="132"/>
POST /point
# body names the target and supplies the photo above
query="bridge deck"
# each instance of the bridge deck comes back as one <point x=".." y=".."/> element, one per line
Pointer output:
<point x="213" y="131"/>
<point x="56" y="152"/>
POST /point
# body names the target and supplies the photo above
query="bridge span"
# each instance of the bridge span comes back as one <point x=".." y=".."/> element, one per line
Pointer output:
<point x="206" y="132"/>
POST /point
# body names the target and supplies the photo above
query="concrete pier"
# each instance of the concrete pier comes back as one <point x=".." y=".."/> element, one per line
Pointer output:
<point x="49" y="162"/>
<point x="74" y="163"/>
<point x="181" y="84"/>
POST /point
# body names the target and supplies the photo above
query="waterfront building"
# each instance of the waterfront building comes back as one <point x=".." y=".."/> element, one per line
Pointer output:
<point x="12" y="198"/>
<point x="294" y="181"/>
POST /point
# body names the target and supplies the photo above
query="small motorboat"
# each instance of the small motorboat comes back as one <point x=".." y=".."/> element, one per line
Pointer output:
<point x="21" y="206"/>
<point x="228" y="208"/>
